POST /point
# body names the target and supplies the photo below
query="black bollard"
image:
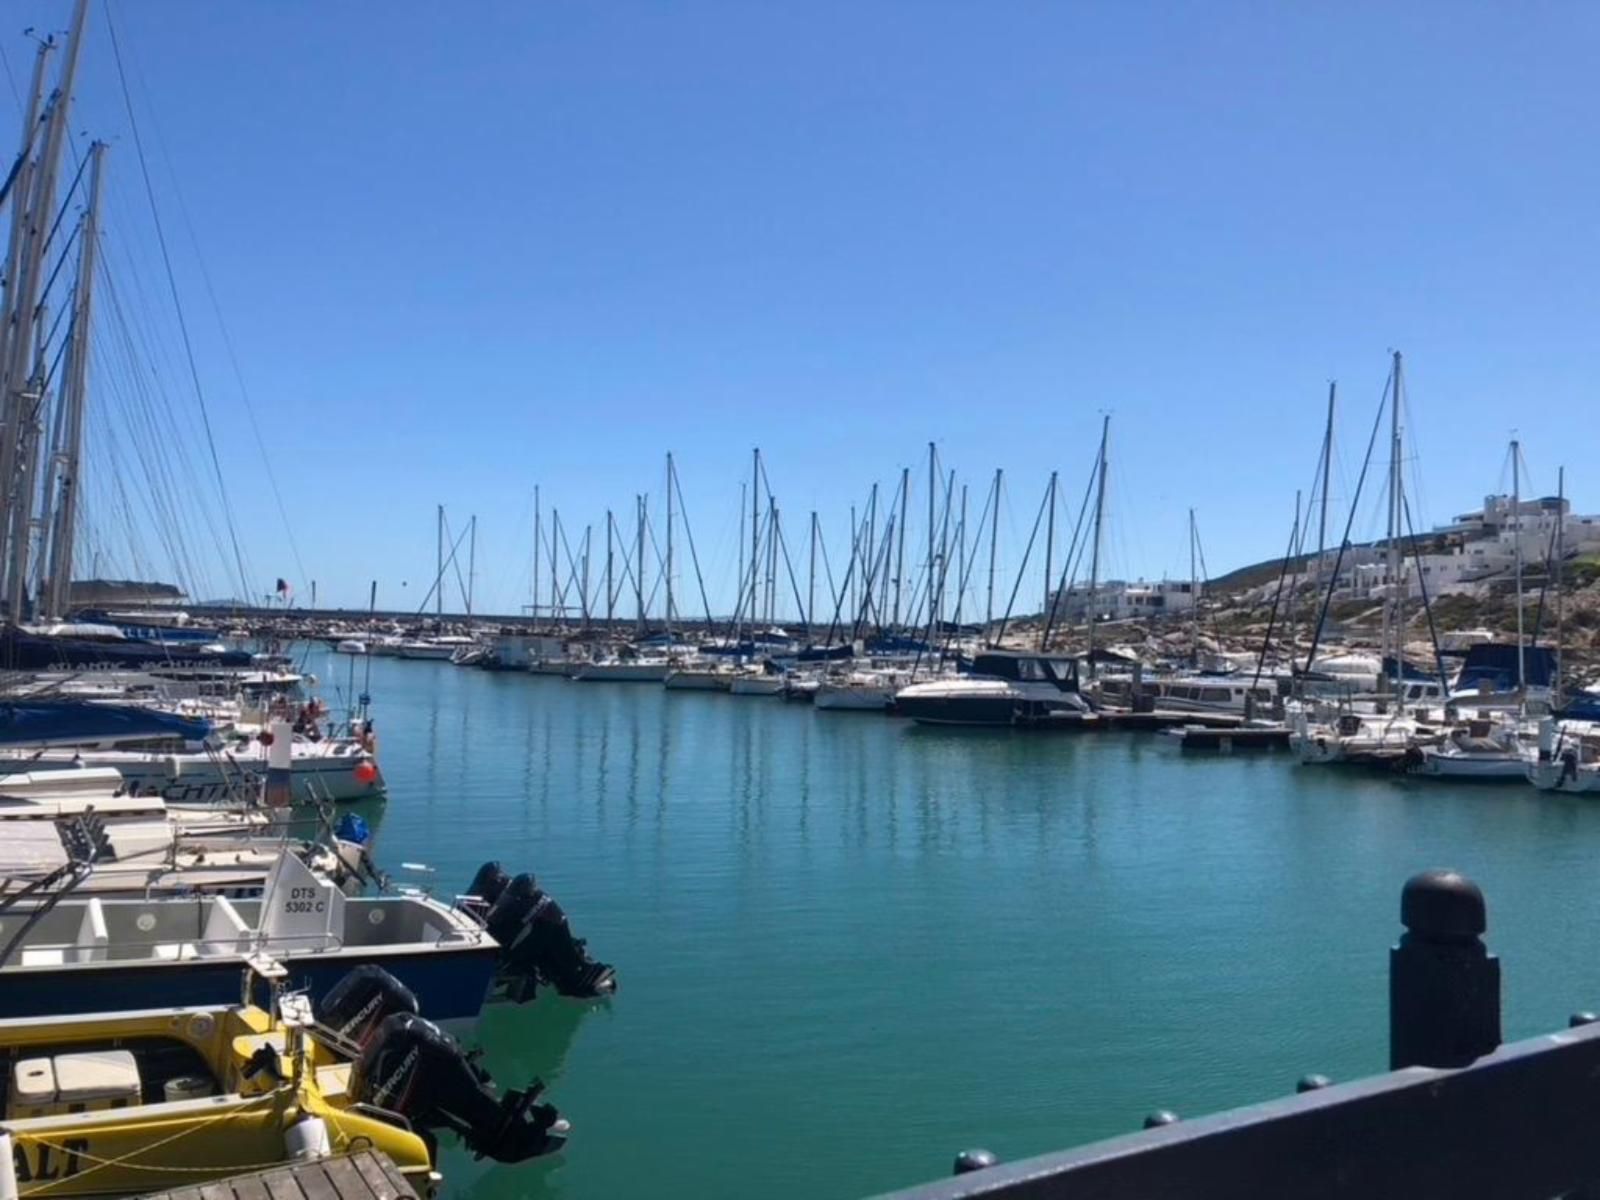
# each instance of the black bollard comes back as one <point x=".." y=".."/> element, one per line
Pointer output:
<point x="1312" y="1083"/>
<point x="1444" y="986"/>
<point x="969" y="1161"/>
<point x="1159" y="1118"/>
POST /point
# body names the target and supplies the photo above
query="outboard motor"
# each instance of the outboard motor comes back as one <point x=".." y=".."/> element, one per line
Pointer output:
<point x="361" y="1001"/>
<point x="488" y="883"/>
<point x="536" y="943"/>
<point x="414" y="1068"/>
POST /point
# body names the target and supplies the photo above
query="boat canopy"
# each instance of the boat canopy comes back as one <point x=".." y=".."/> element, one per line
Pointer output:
<point x="1494" y="666"/>
<point x="67" y="723"/>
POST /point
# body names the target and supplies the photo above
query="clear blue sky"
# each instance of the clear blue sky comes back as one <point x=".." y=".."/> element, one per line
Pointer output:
<point x="461" y="250"/>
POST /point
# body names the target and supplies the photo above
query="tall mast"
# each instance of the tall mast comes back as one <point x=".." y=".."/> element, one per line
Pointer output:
<point x="933" y="614"/>
<point x="22" y="367"/>
<point x="1327" y="466"/>
<point x="611" y="594"/>
<point x="74" y="397"/>
<point x="755" y="534"/>
<point x="1049" y="549"/>
<point x="1194" y="596"/>
<point x="738" y="609"/>
<point x="669" y="545"/>
<point x="438" y="586"/>
<point x="638" y="573"/>
<point x="555" y="530"/>
<point x="961" y="556"/>
<point x="472" y="559"/>
<point x="994" y="537"/>
<point x="811" y="579"/>
<point x="1516" y="517"/>
<point x="900" y="562"/>
<point x="1394" y="631"/>
<point x="588" y="602"/>
<point x="536" y="540"/>
<point x="772" y="565"/>
<point x="1561" y="551"/>
<point x="1099" y="517"/>
<point x="852" y="575"/>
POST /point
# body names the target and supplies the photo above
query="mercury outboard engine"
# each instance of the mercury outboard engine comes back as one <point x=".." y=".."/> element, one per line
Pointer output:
<point x="488" y="883"/>
<point x="414" y="1068"/>
<point x="355" y="1006"/>
<point x="536" y="943"/>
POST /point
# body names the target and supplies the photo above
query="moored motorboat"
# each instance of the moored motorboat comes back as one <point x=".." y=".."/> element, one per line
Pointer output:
<point x="1004" y="687"/>
<point x="146" y="1100"/>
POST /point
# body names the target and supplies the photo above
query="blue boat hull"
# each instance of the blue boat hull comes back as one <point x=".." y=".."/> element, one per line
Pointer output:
<point x="450" y="985"/>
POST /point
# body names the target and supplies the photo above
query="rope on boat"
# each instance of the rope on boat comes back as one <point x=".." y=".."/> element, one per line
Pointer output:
<point x="125" y="1160"/>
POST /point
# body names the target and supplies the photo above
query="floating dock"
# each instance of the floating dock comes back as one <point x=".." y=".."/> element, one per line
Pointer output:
<point x="365" y="1175"/>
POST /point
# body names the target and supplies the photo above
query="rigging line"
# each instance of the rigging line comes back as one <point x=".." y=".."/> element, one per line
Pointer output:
<point x="183" y="325"/>
<point x="227" y="342"/>
<point x="11" y="80"/>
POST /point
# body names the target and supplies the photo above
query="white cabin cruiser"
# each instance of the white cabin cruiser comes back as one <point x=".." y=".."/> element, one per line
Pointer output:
<point x="1005" y="687"/>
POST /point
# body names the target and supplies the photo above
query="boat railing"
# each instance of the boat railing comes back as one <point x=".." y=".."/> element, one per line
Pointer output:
<point x="1458" y="1115"/>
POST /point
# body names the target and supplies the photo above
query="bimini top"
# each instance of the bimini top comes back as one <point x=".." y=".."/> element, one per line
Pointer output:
<point x="1027" y="666"/>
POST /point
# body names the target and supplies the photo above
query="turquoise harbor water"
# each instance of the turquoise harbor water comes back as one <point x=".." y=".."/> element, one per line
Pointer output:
<point x="849" y="947"/>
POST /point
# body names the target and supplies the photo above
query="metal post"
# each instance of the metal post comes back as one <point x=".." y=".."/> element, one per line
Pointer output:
<point x="1444" y="985"/>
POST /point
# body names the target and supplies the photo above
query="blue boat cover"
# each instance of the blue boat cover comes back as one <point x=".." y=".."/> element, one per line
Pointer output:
<point x="70" y="722"/>
<point x="1496" y="664"/>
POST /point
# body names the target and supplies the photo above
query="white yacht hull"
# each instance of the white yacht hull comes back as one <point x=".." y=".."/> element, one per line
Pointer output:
<point x="622" y="673"/>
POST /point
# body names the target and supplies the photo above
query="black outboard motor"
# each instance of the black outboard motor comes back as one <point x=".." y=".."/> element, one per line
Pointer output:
<point x="488" y="883"/>
<point x="356" y="1005"/>
<point x="414" y="1068"/>
<point x="536" y="943"/>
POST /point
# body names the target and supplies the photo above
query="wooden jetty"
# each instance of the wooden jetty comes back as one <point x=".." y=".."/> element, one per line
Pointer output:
<point x="364" y="1175"/>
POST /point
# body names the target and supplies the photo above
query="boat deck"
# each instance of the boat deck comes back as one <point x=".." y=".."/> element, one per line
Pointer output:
<point x="365" y="1175"/>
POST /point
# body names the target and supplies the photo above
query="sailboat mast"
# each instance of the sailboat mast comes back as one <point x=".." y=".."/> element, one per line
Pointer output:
<point x="537" y="531"/>
<point x="611" y="594"/>
<point x="1094" y="556"/>
<point x="900" y="562"/>
<point x="755" y="534"/>
<point x="933" y="614"/>
<point x="669" y="545"/>
<point x="811" y="579"/>
<point x="1516" y="517"/>
<point x="1327" y="466"/>
<point x="1394" y="630"/>
<point x="638" y="572"/>
<point x="961" y="556"/>
<point x="1561" y="551"/>
<point x="1194" y="596"/>
<point x="22" y="375"/>
<point x="438" y="579"/>
<point x="994" y="537"/>
<point x="1049" y="549"/>
<point x="74" y="398"/>
<point x="472" y="559"/>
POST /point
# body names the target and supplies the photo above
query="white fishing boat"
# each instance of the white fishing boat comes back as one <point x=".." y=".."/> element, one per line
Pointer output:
<point x="64" y="951"/>
<point x="859" y="691"/>
<point x="350" y="646"/>
<point x="324" y="769"/>
<point x="623" y="670"/>
<point x="756" y="682"/>
<point x="1480" y="750"/>
<point x="444" y="647"/>
<point x="1568" y="757"/>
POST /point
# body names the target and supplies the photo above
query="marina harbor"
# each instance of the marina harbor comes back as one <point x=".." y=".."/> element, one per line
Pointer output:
<point x="753" y="601"/>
